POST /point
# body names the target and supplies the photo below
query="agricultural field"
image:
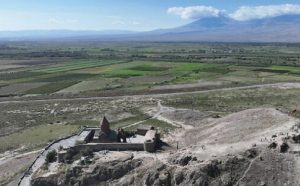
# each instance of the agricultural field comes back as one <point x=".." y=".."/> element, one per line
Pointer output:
<point x="75" y="77"/>
<point x="72" y="72"/>
<point x="118" y="76"/>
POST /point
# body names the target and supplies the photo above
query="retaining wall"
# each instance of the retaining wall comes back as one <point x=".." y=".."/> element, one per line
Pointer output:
<point x="111" y="146"/>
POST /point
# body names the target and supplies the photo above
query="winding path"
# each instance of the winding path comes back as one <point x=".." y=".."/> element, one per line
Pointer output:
<point x="151" y="117"/>
<point x="65" y="142"/>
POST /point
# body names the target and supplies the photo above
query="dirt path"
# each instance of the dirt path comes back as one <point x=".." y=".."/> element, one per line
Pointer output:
<point x="139" y="122"/>
<point x="163" y="109"/>
<point x="247" y="170"/>
<point x="136" y="123"/>
<point x="272" y="85"/>
<point x="158" y="115"/>
<point x="160" y="110"/>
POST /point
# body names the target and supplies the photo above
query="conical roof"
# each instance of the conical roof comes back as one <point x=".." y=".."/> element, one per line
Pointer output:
<point x="105" y="126"/>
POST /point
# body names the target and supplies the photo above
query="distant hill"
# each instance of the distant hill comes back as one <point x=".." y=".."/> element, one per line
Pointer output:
<point x="50" y="34"/>
<point x="224" y="29"/>
<point x="284" y="28"/>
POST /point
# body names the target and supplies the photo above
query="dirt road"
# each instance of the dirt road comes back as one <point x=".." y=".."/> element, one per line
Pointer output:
<point x="287" y="85"/>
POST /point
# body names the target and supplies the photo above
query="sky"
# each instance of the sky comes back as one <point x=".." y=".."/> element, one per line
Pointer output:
<point x="134" y="15"/>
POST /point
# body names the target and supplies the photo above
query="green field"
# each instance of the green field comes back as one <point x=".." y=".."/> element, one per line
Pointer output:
<point x="70" y="66"/>
<point x="51" y="87"/>
<point x="60" y="77"/>
<point x="121" y="69"/>
<point x="289" y="69"/>
<point x="35" y="137"/>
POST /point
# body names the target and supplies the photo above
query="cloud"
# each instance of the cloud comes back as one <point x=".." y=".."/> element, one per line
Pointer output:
<point x="195" y="12"/>
<point x="257" y="12"/>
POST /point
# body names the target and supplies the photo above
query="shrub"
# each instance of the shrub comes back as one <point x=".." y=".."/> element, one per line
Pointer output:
<point x="51" y="156"/>
<point x="70" y="154"/>
<point x="87" y="152"/>
<point x="60" y="148"/>
<point x="45" y="166"/>
<point x="284" y="147"/>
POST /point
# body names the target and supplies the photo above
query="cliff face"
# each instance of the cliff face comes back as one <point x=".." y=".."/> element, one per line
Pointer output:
<point x="150" y="172"/>
<point x="252" y="167"/>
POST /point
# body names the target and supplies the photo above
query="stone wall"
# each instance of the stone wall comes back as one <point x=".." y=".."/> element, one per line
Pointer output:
<point x="95" y="147"/>
<point x="110" y="146"/>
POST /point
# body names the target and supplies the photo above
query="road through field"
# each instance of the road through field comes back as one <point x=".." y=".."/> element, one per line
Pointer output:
<point x="287" y="85"/>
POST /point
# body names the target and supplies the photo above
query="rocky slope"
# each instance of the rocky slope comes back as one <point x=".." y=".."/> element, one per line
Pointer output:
<point x="252" y="147"/>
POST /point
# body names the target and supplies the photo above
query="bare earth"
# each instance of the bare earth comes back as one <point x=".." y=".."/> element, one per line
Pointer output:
<point x="12" y="167"/>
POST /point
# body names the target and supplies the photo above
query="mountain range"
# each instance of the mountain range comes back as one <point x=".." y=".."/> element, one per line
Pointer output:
<point x="285" y="28"/>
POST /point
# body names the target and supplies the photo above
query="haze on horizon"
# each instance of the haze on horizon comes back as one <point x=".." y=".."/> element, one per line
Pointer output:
<point x="134" y="15"/>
